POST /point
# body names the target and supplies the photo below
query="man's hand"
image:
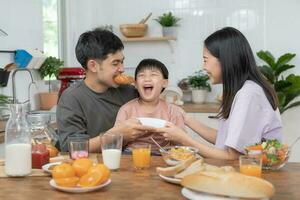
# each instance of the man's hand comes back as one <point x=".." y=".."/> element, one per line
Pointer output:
<point x="132" y="129"/>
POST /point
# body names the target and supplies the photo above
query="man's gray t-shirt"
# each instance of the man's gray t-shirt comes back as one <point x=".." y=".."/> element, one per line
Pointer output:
<point x="81" y="110"/>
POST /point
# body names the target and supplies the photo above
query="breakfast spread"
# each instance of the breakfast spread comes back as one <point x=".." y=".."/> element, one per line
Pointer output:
<point x="123" y="79"/>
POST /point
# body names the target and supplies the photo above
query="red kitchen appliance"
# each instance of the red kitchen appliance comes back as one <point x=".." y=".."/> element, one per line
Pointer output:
<point x="69" y="75"/>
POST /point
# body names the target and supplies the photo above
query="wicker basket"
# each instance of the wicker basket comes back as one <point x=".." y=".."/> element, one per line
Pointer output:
<point x="133" y="30"/>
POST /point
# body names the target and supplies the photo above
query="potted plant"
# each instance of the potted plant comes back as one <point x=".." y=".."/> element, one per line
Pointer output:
<point x="48" y="71"/>
<point x="288" y="87"/>
<point x="169" y="22"/>
<point x="199" y="85"/>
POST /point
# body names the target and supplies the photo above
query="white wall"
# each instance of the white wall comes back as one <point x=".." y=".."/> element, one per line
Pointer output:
<point x="264" y="22"/>
<point x="22" y="21"/>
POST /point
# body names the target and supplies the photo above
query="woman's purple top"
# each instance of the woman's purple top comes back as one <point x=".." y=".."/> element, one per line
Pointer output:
<point x="251" y="119"/>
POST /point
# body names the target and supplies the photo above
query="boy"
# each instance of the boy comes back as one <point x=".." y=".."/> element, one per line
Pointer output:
<point x="151" y="77"/>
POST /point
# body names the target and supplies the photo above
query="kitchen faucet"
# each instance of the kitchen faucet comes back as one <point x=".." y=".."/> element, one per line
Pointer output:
<point x="14" y="86"/>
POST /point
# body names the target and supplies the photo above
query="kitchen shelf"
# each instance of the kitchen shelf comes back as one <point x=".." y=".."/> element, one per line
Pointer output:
<point x="148" y="39"/>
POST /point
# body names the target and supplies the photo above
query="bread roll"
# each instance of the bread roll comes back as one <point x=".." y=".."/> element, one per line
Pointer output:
<point x="123" y="79"/>
<point x="171" y="171"/>
<point x="228" y="184"/>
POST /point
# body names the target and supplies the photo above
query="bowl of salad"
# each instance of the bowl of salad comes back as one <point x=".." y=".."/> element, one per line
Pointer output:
<point x="274" y="154"/>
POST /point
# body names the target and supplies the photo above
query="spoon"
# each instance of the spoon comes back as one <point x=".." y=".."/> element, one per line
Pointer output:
<point x="160" y="147"/>
<point x="143" y="21"/>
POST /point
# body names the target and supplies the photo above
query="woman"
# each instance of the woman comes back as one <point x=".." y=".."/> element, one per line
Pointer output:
<point x="249" y="110"/>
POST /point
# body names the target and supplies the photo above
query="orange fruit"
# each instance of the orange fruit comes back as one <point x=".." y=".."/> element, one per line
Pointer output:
<point x="81" y="166"/>
<point x="67" y="182"/>
<point x="90" y="179"/>
<point x="101" y="168"/>
<point x="63" y="170"/>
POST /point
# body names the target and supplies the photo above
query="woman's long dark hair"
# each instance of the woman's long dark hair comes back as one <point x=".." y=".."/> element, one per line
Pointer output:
<point x="232" y="49"/>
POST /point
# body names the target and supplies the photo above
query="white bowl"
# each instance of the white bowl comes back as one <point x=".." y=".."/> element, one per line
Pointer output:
<point x="154" y="122"/>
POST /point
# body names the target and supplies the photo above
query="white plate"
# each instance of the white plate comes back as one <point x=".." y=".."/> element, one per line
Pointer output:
<point x="78" y="189"/>
<point x="190" y="194"/>
<point x="170" y="179"/>
<point x="47" y="166"/>
<point x="194" y="195"/>
<point x="154" y="122"/>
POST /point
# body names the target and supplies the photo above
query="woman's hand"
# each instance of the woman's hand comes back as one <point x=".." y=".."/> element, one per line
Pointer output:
<point x="173" y="133"/>
<point x="132" y="129"/>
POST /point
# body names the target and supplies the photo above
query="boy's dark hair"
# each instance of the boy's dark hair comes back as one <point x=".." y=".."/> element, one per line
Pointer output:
<point x="96" y="44"/>
<point x="237" y="61"/>
<point x="150" y="63"/>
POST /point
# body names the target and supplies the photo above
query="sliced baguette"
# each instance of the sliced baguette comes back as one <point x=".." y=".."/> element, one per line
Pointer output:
<point x="171" y="171"/>
<point x="194" y="167"/>
<point x="200" y="166"/>
<point x="229" y="184"/>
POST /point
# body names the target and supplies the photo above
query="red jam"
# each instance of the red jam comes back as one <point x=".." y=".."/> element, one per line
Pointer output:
<point x="39" y="155"/>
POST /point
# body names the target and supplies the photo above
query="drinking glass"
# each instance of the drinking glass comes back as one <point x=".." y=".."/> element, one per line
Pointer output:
<point x="141" y="156"/>
<point x="111" y="145"/>
<point x="78" y="146"/>
<point x="251" y="165"/>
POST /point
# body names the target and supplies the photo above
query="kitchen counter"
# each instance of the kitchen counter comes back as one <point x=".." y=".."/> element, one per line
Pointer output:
<point x="201" y="108"/>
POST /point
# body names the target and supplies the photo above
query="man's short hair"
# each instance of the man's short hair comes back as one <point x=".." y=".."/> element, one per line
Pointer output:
<point x="96" y="44"/>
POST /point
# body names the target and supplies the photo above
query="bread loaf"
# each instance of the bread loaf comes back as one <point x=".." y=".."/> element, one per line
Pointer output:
<point x="123" y="79"/>
<point x="228" y="184"/>
<point x="171" y="171"/>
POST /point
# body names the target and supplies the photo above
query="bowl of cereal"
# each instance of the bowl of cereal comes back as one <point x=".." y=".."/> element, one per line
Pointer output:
<point x="172" y="155"/>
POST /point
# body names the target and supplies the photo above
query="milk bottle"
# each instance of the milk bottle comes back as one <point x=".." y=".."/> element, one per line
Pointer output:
<point x="17" y="143"/>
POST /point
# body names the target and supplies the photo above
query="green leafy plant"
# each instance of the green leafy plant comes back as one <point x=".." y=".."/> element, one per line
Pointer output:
<point x="288" y="87"/>
<point x="50" y="68"/>
<point x="199" y="81"/>
<point x="167" y="20"/>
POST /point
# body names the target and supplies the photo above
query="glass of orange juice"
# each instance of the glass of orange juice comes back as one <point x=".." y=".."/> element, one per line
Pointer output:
<point x="251" y="165"/>
<point x="141" y="155"/>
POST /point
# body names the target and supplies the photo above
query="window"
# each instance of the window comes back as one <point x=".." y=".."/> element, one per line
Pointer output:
<point x="50" y="27"/>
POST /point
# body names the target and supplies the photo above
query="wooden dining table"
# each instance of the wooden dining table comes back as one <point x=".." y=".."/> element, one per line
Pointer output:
<point x="127" y="183"/>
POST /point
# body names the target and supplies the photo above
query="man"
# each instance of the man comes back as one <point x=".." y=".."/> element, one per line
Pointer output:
<point x="91" y="106"/>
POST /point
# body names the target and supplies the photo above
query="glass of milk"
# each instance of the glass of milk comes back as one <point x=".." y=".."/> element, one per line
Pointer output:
<point x="111" y="145"/>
